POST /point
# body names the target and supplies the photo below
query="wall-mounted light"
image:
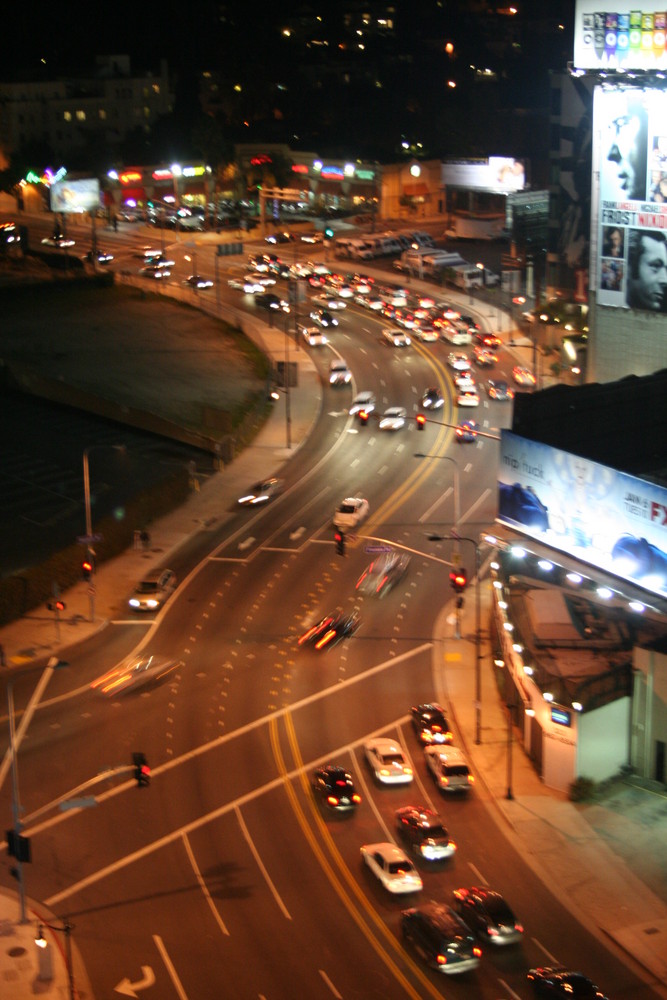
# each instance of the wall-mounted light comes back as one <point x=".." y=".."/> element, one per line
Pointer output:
<point x="548" y="696"/>
<point x="577" y="706"/>
<point x="637" y="606"/>
<point x="545" y="565"/>
<point x="605" y="593"/>
<point x="575" y="578"/>
<point x="508" y="626"/>
<point x="499" y="663"/>
<point x="518" y="552"/>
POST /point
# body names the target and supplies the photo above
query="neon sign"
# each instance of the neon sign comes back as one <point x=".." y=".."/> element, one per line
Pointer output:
<point x="333" y="173"/>
<point x="300" y="168"/>
<point x="130" y="177"/>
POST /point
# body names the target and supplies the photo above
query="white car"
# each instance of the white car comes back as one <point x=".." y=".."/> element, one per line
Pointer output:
<point x="151" y="593"/>
<point x="448" y="767"/>
<point x="328" y="302"/>
<point x="339" y="373"/>
<point x="459" y="362"/>
<point x="350" y="513"/>
<point x="464" y="380"/>
<point x="427" y="334"/>
<point x="396" y="337"/>
<point x="259" y="278"/>
<point x="261" y="492"/>
<point x="467" y="397"/>
<point x="362" y="401"/>
<point x="392" y="867"/>
<point x="393" y="419"/>
<point x="388" y="761"/>
<point x="314" y="337"/>
<point x="246" y="285"/>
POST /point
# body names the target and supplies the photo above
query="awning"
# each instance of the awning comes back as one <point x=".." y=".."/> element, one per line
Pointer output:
<point x="416" y="191"/>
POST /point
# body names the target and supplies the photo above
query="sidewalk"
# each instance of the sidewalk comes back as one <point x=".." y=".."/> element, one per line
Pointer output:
<point x="565" y="850"/>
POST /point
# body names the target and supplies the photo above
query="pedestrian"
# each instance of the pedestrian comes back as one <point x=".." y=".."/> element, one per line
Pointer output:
<point x="145" y="539"/>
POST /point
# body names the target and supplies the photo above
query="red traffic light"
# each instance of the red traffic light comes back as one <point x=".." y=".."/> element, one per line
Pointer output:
<point x="86" y="569"/>
<point x="421" y="421"/>
<point x="339" y="538"/>
<point x="458" y="579"/>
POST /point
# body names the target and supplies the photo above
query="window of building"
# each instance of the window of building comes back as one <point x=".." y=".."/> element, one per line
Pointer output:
<point x="67" y="115"/>
<point x="81" y="116"/>
<point x="103" y="114"/>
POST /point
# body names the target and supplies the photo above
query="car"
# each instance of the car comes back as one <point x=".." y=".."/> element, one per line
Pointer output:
<point x="500" y="390"/>
<point x="314" y="337"/>
<point x="323" y="318"/>
<point x="270" y="301"/>
<point x="430" y="724"/>
<point x="157" y="271"/>
<point x="448" y="768"/>
<point x="261" y="492"/>
<point x="262" y="278"/>
<point x="98" y="257"/>
<point x="246" y="285"/>
<point x="60" y="242"/>
<point x="432" y="399"/>
<point x="197" y="281"/>
<point x="523" y="376"/>
<point x="330" y="630"/>
<point x="489" y="340"/>
<point x="328" y="302"/>
<point x="335" y="788"/>
<point x="458" y="361"/>
<point x="464" y="380"/>
<point x="487" y="914"/>
<point x="470" y="322"/>
<point x="350" y="513"/>
<point x="423" y="830"/>
<point x="392" y="867"/>
<point x="396" y="338"/>
<point x="388" y="761"/>
<point x="263" y="261"/>
<point x="312" y="237"/>
<point x="393" y="419"/>
<point x="284" y="237"/>
<point x="339" y="373"/>
<point x="466" y="431"/>
<point x="151" y="592"/>
<point x="557" y="981"/>
<point x="484" y="356"/>
<point x="133" y="673"/>
<point x="363" y="401"/>
<point x="522" y="505"/>
<point x="440" y="938"/>
<point x="427" y="333"/>
<point x="467" y="397"/>
<point x="383" y="573"/>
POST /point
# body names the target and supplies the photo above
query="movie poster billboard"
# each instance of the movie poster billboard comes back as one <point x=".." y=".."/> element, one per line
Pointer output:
<point x="497" y="174"/>
<point x="632" y="238"/>
<point x="596" y="514"/>
<point x="75" y="196"/>
<point x="620" y="36"/>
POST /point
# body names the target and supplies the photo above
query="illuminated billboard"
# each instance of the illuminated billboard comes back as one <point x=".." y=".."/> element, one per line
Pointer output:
<point x="603" y="517"/>
<point x="632" y="217"/>
<point x="75" y="196"/>
<point x="499" y="174"/>
<point x="625" y="36"/>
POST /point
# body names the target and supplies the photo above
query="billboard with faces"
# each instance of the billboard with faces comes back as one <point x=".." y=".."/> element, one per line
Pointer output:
<point x="632" y="198"/>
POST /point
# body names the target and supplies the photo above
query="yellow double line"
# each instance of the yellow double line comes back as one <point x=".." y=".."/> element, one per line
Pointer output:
<point x="338" y="874"/>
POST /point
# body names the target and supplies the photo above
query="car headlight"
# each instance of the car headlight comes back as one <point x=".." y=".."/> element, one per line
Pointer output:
<point x="134" y="603"/>
<point x="152" y="603"/>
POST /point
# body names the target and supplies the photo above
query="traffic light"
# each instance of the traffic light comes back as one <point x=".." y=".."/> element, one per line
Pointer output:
<point x="328" y="233"/>
<point x="142" y="772"/>
<point x="421" y="421"/>
<point x="87" y="568"/>
<point x="458" y="579"/>
<point x="56" y="605"/>
<point x="339" y="538"/>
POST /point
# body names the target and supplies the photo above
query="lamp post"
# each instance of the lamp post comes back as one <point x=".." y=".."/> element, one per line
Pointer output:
<point x="455" y="537"/>
<point x="89" y="540"/>
<point x="46" y="968"/>
<point x="509" y="794"/>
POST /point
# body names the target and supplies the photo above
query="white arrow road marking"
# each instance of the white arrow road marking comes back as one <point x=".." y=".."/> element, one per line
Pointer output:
<point x="296" y="534"/>
<point x="129" y="989"/>
<point x="246" y="543"/>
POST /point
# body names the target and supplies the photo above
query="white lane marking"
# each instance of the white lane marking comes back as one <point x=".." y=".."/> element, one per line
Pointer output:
<point x="169" y="965"/>
<point x="426" y="516"/>
<point x="477" y="873"/>
<point x="339" y="996"/>
<point x="552" y="959"/>
<point x="478" y="502"/>
<point x="203" y="886"/>
<point x="26" y="718"/>
<point x="505" y="986"/>
<point x="260" y="863"/>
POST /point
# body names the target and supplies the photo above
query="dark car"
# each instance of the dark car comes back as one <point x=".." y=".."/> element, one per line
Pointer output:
<point x="488" y="339"/>
<point x="335" y="788"/>
<point x="499" y="390"/>
<point x="488" y="915"/>
<point x="430" y="724"/>
<point x="330" y="630"/>
<point x="323" y="318"/>
<point x="423" y="830"/>
<point x="549" y="981"/>
<point x="270" y="301"/>
<point x="383" y="573"/>
<point x="466" y="431"/>
<point x="432" y="399"/>
<point x="440" y="938"/>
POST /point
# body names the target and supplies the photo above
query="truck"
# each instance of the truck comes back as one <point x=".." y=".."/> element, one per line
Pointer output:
<point x="426" y="260"/>
<point x="469" y="276"/>
<point x="476" y="227"/>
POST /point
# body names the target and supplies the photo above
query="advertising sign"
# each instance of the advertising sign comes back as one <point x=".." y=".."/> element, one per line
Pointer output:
<point x="632" y="239"/>
<point x="499" y="174"/>
<point x="626" y="36"/>
<point x="606" y="518"/>
<point x="75" y="196"/>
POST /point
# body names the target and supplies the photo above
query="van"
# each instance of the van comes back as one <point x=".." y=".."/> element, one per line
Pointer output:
<point x="465" y="276"/>
<point x="449" y="768"/>
<point x="360" y="250"/>
<point x="342" y="247"/>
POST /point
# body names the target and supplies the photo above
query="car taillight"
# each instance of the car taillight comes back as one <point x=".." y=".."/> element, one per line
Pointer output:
<point x="332" y="800"/>
<point x="356" y="798"/>
<point x="492" y="932"/>
<point x="477" y="952"/>
<point x="327" y="637"/>
<point x="441" y="960"/>
<point x="445" y="781"/>
<point x="452" y="845"/>
<point x="519" y="928"/>
<point x="471" y="780"/>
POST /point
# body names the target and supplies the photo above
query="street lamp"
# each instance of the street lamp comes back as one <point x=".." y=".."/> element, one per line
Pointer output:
<point x="89" y="538"/>
<point x="455" y="537"/>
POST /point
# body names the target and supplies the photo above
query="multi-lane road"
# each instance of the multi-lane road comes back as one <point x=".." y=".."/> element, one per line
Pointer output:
<point x="225" y="878"/>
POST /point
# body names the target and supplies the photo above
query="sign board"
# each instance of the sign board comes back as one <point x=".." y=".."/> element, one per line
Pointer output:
<point x="500" y="174"/>
<point x="75" y="197"/>
<point x="620" y="36"/>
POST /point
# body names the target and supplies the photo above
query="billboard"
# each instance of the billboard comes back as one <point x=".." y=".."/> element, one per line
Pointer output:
<point x="603" y="517"/>
<point x="497" y="174"/>
<point x="75" y="196"/>
<point x="625" y="36"/>
<point x="632" y="198"/>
